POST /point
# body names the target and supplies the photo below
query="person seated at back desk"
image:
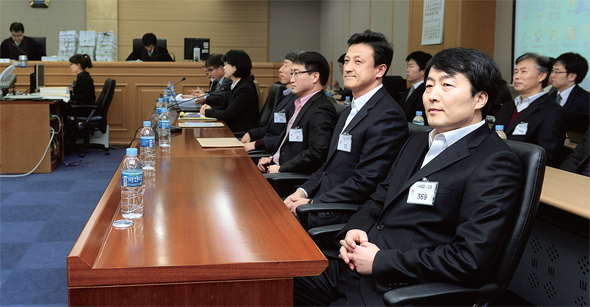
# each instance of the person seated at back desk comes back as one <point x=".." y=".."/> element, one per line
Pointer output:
<point x="568" y="71"/>
<point x="340" y="93"/>
<point x="150" y="51"/>
<point x="19" y="44"/>
<point x="411" y="101"/>
<point x="83" y="92"/>
<point x="220" y="85"/>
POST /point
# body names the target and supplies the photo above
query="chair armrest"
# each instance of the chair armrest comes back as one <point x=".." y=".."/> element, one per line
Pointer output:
<point x="255" y="155"/>
<point x="303" y="211"/>
<point x="286" y="183"/>
<point x="433" y="293"/>
<point x="322" y="231"/>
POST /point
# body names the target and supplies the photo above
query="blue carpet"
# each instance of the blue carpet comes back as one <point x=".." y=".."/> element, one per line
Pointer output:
<point x="41" y="216"/>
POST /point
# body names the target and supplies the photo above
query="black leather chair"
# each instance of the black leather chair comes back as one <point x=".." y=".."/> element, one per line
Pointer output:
<point x="394" y="86"/>
<point x="137" y="42"/>
<point x="274" y="91"/>
<point x="41" y="41"/>
<point x="85" y="120"/>
<point x="533" y="162"/>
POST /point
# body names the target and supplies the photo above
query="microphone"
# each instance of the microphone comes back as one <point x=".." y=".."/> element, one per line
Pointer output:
<point x="15" y="45"/>
<point x="183" y="78"/>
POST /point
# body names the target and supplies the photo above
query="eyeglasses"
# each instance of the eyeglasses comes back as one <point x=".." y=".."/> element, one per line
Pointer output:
<point x="296" y="73"/>
<point x="555" y="72"/>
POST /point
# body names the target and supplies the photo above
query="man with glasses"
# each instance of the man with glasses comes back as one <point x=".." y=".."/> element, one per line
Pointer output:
<point x="533" y="117"/>
<point x="304" y="143"/>
<point x="568" y="71"/>
<point x="19" y="44"/>
<point x="220" y="85"/>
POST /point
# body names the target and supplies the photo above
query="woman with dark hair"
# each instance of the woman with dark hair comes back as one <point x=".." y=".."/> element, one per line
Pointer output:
<point x="83" y="91"/>
<point x="240" y="107"/>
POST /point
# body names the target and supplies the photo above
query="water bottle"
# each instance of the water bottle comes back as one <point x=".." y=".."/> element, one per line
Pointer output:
<point x="328" y="91"/>
<point x="172" y="91"/>
<point x="347" y="101"/>
<point x="169" y="86"/>
<point x="500" y="132"/>
<point x="418" y="119"/>
<point x="164" y="128"/>
<point x="131" y="186"/>
<point x="148" y="147"/>
<point x="166" y="98"/>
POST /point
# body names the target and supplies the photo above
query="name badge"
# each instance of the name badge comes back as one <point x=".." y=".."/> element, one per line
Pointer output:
<point x="345" y="142"/>
<point x="521" y="129"/>
<point x="280" y="118"/>
<point x="423" y="193"/>
<point x="296" y="135"/>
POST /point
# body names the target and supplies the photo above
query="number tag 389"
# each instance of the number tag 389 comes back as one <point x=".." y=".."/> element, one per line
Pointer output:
<point x="423" y="193"/>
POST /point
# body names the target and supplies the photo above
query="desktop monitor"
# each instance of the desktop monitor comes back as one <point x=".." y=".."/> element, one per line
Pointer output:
<point x="38" y="77"/>
<point x="190" y="53"/>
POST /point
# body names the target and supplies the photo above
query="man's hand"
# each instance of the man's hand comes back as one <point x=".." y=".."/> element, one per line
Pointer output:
<point x="263" y="163"/>
<point x="362" y="258"/>
<point x="200" y="100"/>
<point x="246" y="138"/>
<point x="273" y="169"/>
<point x="250" y="146"/>
<point x="294" y="197"/>
<point x="293" y="205"/>
<point x="203" y="108"/>
<point x="198" y="92"/>
<point x="353" y="238"/>
<point x="335" y="84"/>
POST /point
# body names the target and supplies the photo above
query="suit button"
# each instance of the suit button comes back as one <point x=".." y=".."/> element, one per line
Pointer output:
<point x="380" y="227"/>
<point x="389" y="286"/>
<point x="325" y="172"/>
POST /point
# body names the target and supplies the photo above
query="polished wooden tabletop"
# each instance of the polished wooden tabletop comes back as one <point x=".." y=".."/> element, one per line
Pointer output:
<point x="567" y="191"/>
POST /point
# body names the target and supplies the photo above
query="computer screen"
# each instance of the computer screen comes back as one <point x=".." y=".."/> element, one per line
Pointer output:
<point x="189" y="49"/>
<point x="40" y="75"/>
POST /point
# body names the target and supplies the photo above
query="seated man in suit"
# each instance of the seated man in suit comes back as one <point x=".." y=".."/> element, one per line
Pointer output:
<point x="220" y="85"/>
<point x="568" y="71"/>
<point x="19" y="44"/>
<point x="445" y="205"/>
<point x="340" y="93"/>
<point x="533" y="117"/>
<point x="367" y="136"/>
<point x="303" y="145"/>
<point x="579" y="160"/>
<point x="412" y="99"/>
<point x="150" y="51"/>
<point x="267" y="137"/>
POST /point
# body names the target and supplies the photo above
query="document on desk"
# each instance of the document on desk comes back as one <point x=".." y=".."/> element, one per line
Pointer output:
<point x="201" y="125"/>
<point x="58" y="93"/>
<point x="193" y="116"/>
<point x="219" y="142"/>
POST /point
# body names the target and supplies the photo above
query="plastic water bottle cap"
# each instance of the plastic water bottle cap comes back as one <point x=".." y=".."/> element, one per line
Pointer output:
<point x="347" y="97"/>
<point x="147" y="123"/>
<point x="418" y="113"/>
<point x="131" y="152"/>
<point x="328" y="87"/>
<point x="161" y="99"/>
<point x="499" y="127"/>
<point x="172" y="87"/>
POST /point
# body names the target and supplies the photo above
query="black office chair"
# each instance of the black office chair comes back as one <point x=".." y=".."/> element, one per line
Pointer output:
<point x="533" y="160"/>
<point x="41" y="41"/>
<point x="137" y="42"/>
<point x="87" y="119"/>
<point x="394" y="85"/>
<point x="274" y="93"/>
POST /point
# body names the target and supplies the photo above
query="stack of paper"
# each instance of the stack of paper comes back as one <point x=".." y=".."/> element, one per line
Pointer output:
<point x="68" y="44"/>
<point x="88" y="43"/>
<point x="106" y="47"/>
<point x="61" y="93"/>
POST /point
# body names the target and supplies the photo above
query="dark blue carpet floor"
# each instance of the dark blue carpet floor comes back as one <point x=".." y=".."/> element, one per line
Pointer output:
<point x="41" y="216"/>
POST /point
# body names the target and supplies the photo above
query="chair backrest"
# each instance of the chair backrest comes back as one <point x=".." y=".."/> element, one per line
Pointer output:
<point x="104" y="101"/>
<point x="41" y="41"/>
<point x="274" y="94"/>
<point x="339" y="108"/>
<point x="259" y="96"/>
<point x="137" y="42"/>
<point x="533" y="160"/>
<point x="394" y="85"/>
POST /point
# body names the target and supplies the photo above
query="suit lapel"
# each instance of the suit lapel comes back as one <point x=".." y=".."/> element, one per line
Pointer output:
<point x="364" y="111"/>
<point x="336" y="134"/>
<point x="306" y="107"/>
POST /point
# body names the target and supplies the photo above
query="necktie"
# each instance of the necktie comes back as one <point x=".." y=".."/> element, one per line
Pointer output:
<point x="558" y="99"/>
<point x="410" y="92"/>
<point x="218" y="87"/>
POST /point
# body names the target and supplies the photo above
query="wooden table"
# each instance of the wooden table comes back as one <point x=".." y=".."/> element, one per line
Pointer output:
<point x="214" y="232"/>
<point x="567" y="191"/>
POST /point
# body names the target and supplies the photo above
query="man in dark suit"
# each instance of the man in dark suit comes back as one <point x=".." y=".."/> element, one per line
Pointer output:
<point x="579" y="160"/>
<point x="412" y="99"/>
<point x="18" y="44"/>
<point x="266" y="138"/>
<point x="445" y="205"/>
<point x="150" y="51"/>
<point x="533" y="117"/>
<point x="341" y="93"/>
<point x="304" y="143"/>
<point x="367" y="137"/>
<point x="568" y="71"/>
<point x="220" y="85"/>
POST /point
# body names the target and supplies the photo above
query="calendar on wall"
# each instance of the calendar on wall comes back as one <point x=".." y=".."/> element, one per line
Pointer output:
<point x="433" y="21"/>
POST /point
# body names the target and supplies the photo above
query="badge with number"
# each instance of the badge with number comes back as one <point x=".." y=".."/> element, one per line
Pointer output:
<point x="344" y="142"/>
<point x="423" y="193"/>
<point x="280" y="118"/>
<point x="296" y="135"/>
<point x="521" y="129"/>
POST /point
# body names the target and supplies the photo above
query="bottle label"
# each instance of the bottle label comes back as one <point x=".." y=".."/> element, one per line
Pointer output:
<point x="161" y="110"/>
<point x="132" y="178"/>
<point x="147" y="141"/>
<point x="166" y="99"/>
<point x="164" y="124"/>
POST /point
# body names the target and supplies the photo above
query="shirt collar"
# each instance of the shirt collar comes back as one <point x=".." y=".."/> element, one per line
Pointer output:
<point x="304" y="100"/>
<point x="417" y="84"/>
<point x="358" y="103"/>
<point x="565" y="94"/>
<point x="454" y="135"/>
<point x="522" y="104"/>
<point x="287" y="91"/>
<point x="221" y="80"/>
<point x="234" y="84"/>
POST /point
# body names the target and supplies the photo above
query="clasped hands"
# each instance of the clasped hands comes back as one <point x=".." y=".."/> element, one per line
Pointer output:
<point x="265" y="167"/>
<point x="295" y="200"/>
<point x="203" y="108"/>
<point x="357" y="252"/>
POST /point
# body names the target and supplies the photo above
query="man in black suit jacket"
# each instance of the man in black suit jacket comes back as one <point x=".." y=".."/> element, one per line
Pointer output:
<point x="568" y="71"/>
<point x="266" y="138"/>
<point x="150" y="51"/>
<point x="445" y="205"/>
<point x="412" y="98"/>
<point x="533" y="117"/>
<point x="579" y="160"/>
<point x="304" y="143"/>
<point x="375" y="124"/>
<point x="220" y="85"/>
<point x="19" y="44"/>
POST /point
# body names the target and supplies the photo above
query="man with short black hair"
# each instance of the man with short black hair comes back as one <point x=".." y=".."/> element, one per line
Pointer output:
<point x="568" y="71"/>
<point x="150" y="50"/>
<point x="412" y="98"/>
<point x="468" y="180"/>
<point x="220" y="85"/>
<point x="340" y="93"/>
<point x="533" y="117"/>
<point x="19" y="44"/>
<point x="305" y="141"/>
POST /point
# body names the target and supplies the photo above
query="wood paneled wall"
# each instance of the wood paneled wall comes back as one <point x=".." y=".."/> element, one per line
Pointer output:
<point x="229" y="25"/>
